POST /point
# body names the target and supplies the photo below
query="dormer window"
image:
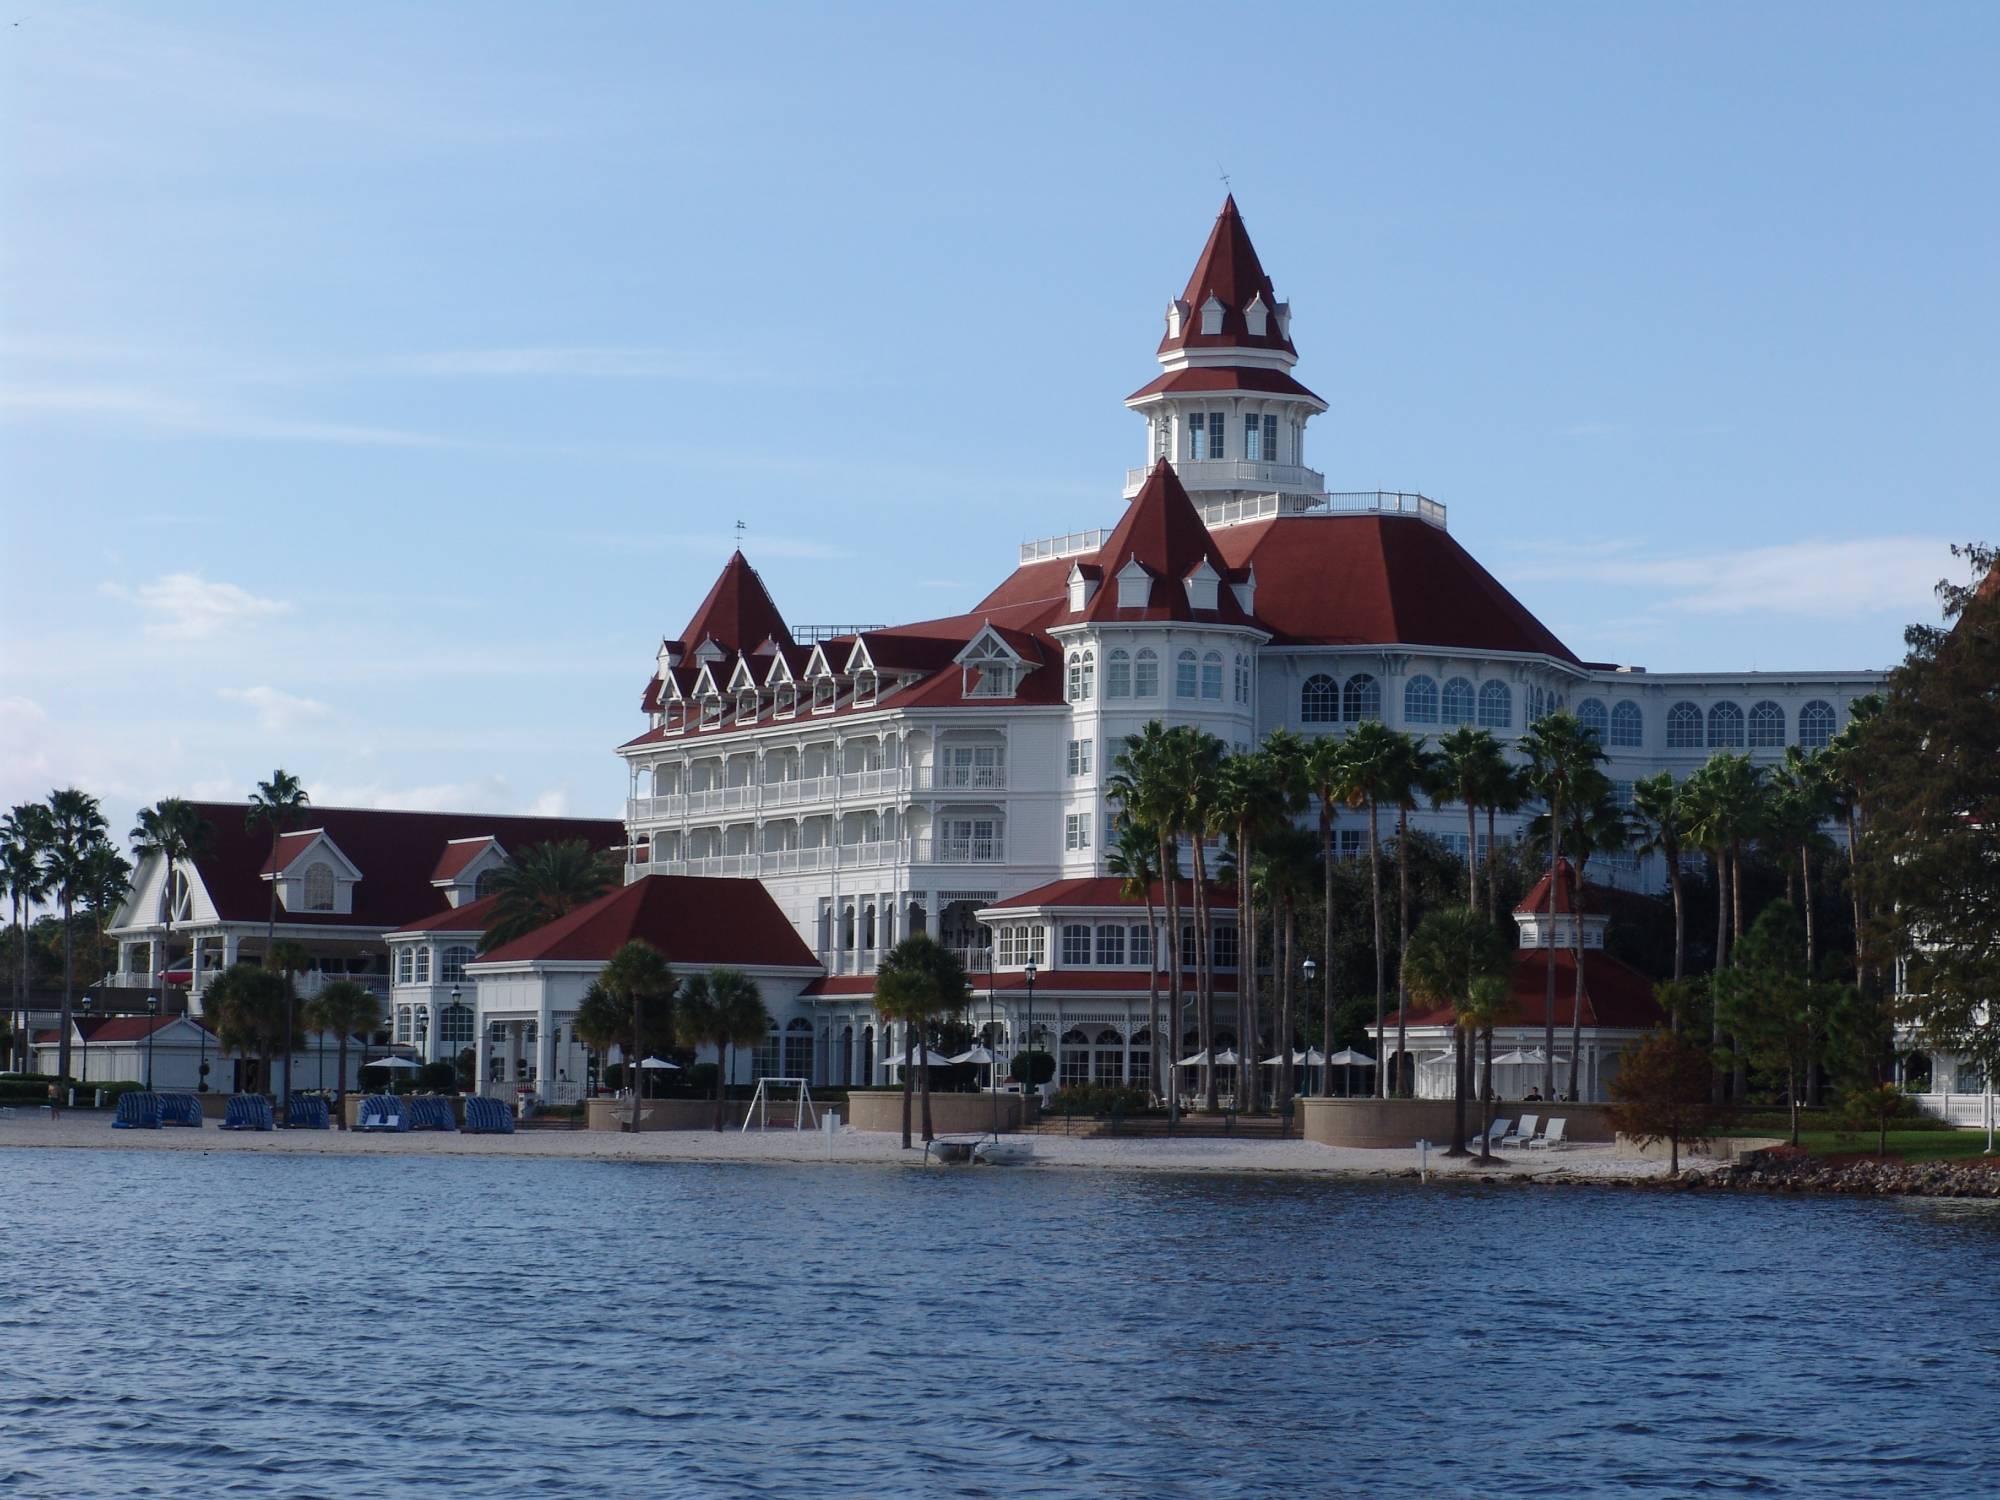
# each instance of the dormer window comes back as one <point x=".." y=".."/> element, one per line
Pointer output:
<point x="1135" y="586"/>
<point x="784" y="702"/>
<point x="1177" y="312"/>
<point x="823" y="695"/>
<point x="1201" y="586"/>
<point x="1246" y="592"/>
<point x="1211" y="316"/>
<point x="746" y="706"/>
<point x="1081" y="587"/>
<point x="319" y="887"/>
<point x="864" y="687"/>
<point x="673" y="718"/>
<point x="711" y="710"/>
<point x="1256" y="315"/>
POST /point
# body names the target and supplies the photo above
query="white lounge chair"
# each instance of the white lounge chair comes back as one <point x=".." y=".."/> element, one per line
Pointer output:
<point x="1522" y="1136"/>
<point x="1552" y="1135"/>
<point x="1491" y="1138"/>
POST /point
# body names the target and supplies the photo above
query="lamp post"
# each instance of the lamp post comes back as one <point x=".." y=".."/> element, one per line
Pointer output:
<point x="1311" y="972"/>
<point x="441" y="1036"/>
<point x="423" y="1032"/>
<point x="84" y="1005"/>
<point x="1028" y="1080"/>
<point x="152" y="1014"/>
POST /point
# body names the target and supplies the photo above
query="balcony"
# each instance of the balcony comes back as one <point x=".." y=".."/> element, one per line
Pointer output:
<point x="949" y="851"/>
<point x="1234" y="474"/>
<point x="806" y="859"/>
<point x="1220" y="513"/>
<point x="751" y="796"/>
<point x="960" y="779"/>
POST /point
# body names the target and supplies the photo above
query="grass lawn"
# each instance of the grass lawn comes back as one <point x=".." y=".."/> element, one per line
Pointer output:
<point x="1819" y="1137"/>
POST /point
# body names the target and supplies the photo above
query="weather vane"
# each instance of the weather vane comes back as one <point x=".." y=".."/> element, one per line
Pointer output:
<point x="1223" y="175"/>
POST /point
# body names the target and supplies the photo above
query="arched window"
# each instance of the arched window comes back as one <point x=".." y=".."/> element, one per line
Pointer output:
<point x="1596" y="721"/>
<point x="847" y="928"/>
<point x="1118" y="675"/>
<point x="319" y="888"/>
<point x="483" y="886"/>
<point x="405" y="966"/>
<point x="1684" y="726"/>
<point x="1361" y="698"/>
<point x="1242" y="679"/>
<point x="1211" y="676"/>
<point x="1420" y="700"/>
<point x="1767" y="725"/>
<point x="1082" y="676"/>
<point x="1457" y="701"/>
<point x="1725" y="726"/>
<point x="1815" y="725"/>
<point x="1534" y="703"/>
<point x="1319" y="700"/>
<point x="1496" y="705"/>
<point x="451" y="964"/>
<point x="423" y="970"/>
<point x="1146" y="674"/>
<point x="455" y="1028"/>
<point x="1628" y="726"/>
<point x="1186" y="675"/>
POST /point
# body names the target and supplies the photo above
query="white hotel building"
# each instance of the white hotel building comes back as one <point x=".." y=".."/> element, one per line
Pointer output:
<point x="948" y="775"/>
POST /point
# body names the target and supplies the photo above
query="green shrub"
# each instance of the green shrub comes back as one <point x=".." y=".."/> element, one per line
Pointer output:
<point x="1042" y="1064"/>
<point x="1100" y="1099"/>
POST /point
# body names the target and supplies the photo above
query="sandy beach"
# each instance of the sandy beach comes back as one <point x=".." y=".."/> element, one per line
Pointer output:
<point x="27" y="1128"/>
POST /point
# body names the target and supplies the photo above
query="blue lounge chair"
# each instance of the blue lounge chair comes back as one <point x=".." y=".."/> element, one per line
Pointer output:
<point x="180" y="1109"/>
<point x="428" y="1112"/>
<point x="487" y="1117"/>
<point x="308" y="1113"/>
<point x="138" y="1111"/>
<point x="384" y="1112"/>
<point x="248" y="1112"/>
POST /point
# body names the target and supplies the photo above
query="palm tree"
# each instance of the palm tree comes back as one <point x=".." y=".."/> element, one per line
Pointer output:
<point x="1287" y="871"/>
<point x="1408" y="773"/>
<point x="276" y="805"/>
<point x="1451" y="949"/>
<point x="1371" y="753"/>
<point x="1559" y="751"/>
<point x="1197" y="767"/>
<point x="640" y="983"/>
<point x="107" y="881"/>
<point x="1847" y="785"/>
<point x="1487" y="1004"/>
<point x="541" y="883"/>
<point x="1327" y="776"/>
<point x="1806" y="797"/>
<point x="75" y="830"/>
<point x="917" y="982"/>
<point x="1470" y="764"/>
<point x="1597" y="826"/>
<point x="1143" y="785"/>
<point x="174" y="831"/>
<point x="1249" y="801"/>
<point x="246" y="1007"/>
<point x="722" y="1009"/>
<point x="23" y="834"/>
<point x="345" y="1009"/>
<point x="287" y="958"/>
<point x="1661" y="809"/>
<point x="1134" y="862"/>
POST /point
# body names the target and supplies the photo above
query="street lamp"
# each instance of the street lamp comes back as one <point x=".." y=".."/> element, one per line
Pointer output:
<point x="423" y="1032"/>
<point x="84" y="1005"/>
<point x="152" y="1014"/>
<point x="441" y="1036"/>
<point x="1311" y="972"/>
<point x="1028" y="1079"/>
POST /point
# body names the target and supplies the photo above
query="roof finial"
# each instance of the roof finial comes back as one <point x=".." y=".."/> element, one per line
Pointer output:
<point x="739" y="533"/>
<point x="1224" y="176"/>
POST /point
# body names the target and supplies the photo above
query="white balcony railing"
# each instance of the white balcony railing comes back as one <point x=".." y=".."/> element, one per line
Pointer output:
<point x="958" y="851"/>
<point x="1069" y="544"/>
<point x="1233" y="473"/>
<point x="960" y="779"/>
<point x="858" y="855"/>
<point x="1234" y="512"/>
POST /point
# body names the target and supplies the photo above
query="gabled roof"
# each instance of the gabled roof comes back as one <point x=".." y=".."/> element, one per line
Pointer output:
<point x="394" y="851"/>
<point x="288" y="848"/>
<point x="695" y="920"/>
<point x="99" y="1030"/>
<point x="1615" y="994"/>
<point x="471" y="917"/>
<point x="1230" y="272"/>
<point x="1163" y="532"/>
<point x="738" y="614"/>
<point x="1224" y="378"/>
<point x="458" y="853"/>
<point x="1105" y="890"/>
<point x="1536" y="902"/>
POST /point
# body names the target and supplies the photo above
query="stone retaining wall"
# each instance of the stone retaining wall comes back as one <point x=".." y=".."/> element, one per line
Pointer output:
<point x="951" y="1114"/>
<point x="1381" y="1124"/>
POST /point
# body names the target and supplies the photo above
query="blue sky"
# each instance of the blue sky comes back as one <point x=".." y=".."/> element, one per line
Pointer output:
<point x="378" y="384"/>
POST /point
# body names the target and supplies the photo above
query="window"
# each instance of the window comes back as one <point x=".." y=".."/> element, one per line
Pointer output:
<point x="1815" y="725"/>
<point x="319" y="888"/>
<point x="1420" y="700"/>
<point x="1111" y="946"/>
<point x="1361" y="698"/>
<point x="1222" y="947"/>
<point x="1242" y="679"/>
<point x="1017" y="945"/>
<point x="799" y="1048"/>
<point x="823" y="694"/>
<point x="1253" y="439"/>
<point x="1139" y="943"/>
<point x="1684" y="727"/>
<point x="451" y="964"/>
<point x="1186" y="671"/>
<point x="1146" y="675"/>
<point x="711" y="710"/>
<point x="764" y="1061"/>
<point x="455" y="1028"/>
<point x="1457" y="701"/>
<point x="1767" y="725"/>
<point x="1079" y="757"/>
<point x="1319" y="700"/>
<point x="1076" y="830"/>
<point x="1075" y="944"/>
<point x="785" y="702"/>
<point x="864" y="687"/>
<point x="1082" y="676"/>
<point x="1628" y="726"/>
<point x="996" y="680"/>
<point x="1197" y="431"/>
<point x="1215" y="434"/>
<point x="1725" y="726"/>
<point x="423" y="966"/>
<point x="1270" y="440"/>
<point x="1595" y="719"/>
<point x="1211" y="676"/>
<point x="1352" y="843"/>
<point x="1118" y="675"/>
<point x="403" y="1018"/>
<point x="1073" y="1071"/>
<point x="1968" y="1077"/>
<point x="405" y="966"/>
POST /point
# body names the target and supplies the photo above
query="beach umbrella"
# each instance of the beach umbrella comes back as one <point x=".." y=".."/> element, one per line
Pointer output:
<point x="1347" y="1057"/>
<point x="659" y="1062"/>
<point x="1193" y="1062"/>
<point x="974" y="1054"/>
<point x="394" y="1063"/>
<point x="922" y="1055"/>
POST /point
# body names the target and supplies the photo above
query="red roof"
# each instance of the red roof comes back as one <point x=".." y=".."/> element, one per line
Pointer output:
<point x="102" y="1029"/>
<point x="1367" y="580"/>
<point x="289" y="847"/>
<point x="395" y="852"/>
<point x="1615" y="994"/>
<point x="1230" y="272"/>
<point x="1104" y="890"/>
<point x="738" y="614"/>
<point x="458" y="854"/>
<point x="1536" y="902"/>
<point x="471" y="917"/>
<point x="1223" y="378"/>
<point x="692" y="919"/>
<point x="1163" y="533"/>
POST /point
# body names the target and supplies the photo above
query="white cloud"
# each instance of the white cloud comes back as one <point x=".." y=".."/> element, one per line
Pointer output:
<point x="552" y="803"/>
<point x="138" y="407"/>
<point x="276" y="712"/>
<point x="601" y="362"/>
<point x="187" y="607"/>
<point x="1812" y="579"/>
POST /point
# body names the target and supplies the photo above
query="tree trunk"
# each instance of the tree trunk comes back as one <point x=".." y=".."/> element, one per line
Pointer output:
<point x="634" y="1062"/>
<point x="1486" y="1098"/>
<point x="1674" y="1152"/>
<point x="1326" y="951"/>
<point x="909" y="1061"/>
<point x="1720" y="866"/>
<point x="1381" y="981"/>
<point x="1204" y="977"/>
<point x="1152" y="1007"/>
<point x="1170" y="875"/>
<point x="340" y="1084"/>
<point x="1492" y="883"/>
<point x="1249" y="1071"/>
<point x="69" y="972"/>
<point x="1403" y="943"/>
<point x="1458" y="1093"/>
<point x="1680" y="921"/>
<point x="1471" y="854"/>
<point x="1576" y="1002"/>
<point x="1288" y="1081"/>
<point x="1549" y="988"/>
<point x="1792" y="1100"/>
<point x="1739" y="1077"/>
<point x="924" y="1082"/>
<point x="1805" y="875"/>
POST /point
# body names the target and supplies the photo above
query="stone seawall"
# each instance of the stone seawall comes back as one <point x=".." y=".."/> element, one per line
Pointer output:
<point x="1782" y="1172"/>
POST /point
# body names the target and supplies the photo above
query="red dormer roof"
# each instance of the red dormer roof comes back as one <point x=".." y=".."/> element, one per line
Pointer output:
<point x="458" y="854"/>
<point x="1230" y="272"/>
<point x="289" y="847"/>
<point x="1536" y="902"/>
<point x="471" y="917"/>
<point x="1162" y="532"/>
<point x="738" y="614"/>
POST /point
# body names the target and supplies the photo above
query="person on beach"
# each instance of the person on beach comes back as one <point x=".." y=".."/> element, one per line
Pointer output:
<point x="1533" y="1096"/>
<point x="55" y="1101"/>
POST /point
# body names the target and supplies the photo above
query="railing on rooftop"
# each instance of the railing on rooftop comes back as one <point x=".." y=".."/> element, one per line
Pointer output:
<point x="1336" y="503"/>
<point x="807" y="635"/>
<point x="1233" y="473"/>
<point x="1069" y="544"/>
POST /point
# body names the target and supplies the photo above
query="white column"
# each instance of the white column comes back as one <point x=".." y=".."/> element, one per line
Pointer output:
<point x="545" y="1053"/>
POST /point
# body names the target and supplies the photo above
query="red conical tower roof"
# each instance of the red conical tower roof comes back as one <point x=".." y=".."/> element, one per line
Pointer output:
<point x="1230" y="272"/>
<point x="737" y="615"/>
<point x="1164" y="533"/>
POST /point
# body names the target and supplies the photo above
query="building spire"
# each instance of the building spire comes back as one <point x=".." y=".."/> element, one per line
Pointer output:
<point x="1229" y="301"/>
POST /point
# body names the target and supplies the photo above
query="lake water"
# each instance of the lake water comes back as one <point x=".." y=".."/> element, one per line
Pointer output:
<point x="272" y="1325"/>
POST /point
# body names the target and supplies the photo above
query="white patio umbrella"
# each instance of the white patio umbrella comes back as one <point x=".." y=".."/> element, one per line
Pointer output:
<point x="1347" y="1057"/>
<point x="922" y="1055"/>
<point x="659" y="1062"/>
<point x="1193" y="1062"/>
<point x="393" y="1062"/>
<point x="979" y="1055"/>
